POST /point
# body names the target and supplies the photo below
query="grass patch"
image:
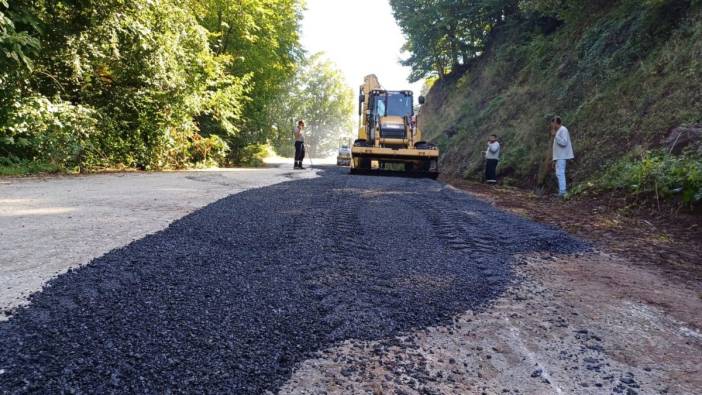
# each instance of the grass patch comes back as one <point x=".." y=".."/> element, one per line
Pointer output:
<point x="23" y="168"/>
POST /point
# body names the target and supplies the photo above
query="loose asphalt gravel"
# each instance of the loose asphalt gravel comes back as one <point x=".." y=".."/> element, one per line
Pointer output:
<point x="232" y="297"/>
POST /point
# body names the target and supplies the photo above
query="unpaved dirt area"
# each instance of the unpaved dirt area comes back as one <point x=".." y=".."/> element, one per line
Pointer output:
<point x="50" y="224"/>
<point x="343" y="284"/>
<point x="668" y="241"/>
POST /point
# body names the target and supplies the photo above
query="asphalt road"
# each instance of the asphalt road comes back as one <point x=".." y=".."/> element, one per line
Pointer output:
<point x="234" y="296"/>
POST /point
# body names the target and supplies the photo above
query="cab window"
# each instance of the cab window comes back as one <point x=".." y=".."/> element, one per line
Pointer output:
<point x="399" y="104"/>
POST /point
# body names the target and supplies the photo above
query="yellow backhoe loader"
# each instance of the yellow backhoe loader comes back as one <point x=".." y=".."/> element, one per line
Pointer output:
<point x="388" y="136"/>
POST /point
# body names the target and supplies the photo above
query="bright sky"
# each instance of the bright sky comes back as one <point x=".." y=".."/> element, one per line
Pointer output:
<point x="361" y="37"/>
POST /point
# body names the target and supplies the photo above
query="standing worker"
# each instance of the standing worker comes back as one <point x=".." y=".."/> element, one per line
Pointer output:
<point x="492" y="157"/>
<point x="299" y="144"/>
<point x="562" y="152"/>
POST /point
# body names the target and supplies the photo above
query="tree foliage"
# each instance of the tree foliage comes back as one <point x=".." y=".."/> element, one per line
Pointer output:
<point x="319" y="95"/>
<point x="145" y="83"/>
<point x="444" y="34"/>
<point x="263" y="38"/>
<point x="16" y="46"/>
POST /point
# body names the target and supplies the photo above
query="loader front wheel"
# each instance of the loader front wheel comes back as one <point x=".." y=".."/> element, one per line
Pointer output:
<point x="360" y="165"/>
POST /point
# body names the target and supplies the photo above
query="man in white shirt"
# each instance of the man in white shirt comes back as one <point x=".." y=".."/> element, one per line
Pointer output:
<point x="562" y="152"/>
<point x="492" y="157"/>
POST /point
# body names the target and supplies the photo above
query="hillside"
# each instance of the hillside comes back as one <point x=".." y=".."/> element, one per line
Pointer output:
<point x="623" y="76"/>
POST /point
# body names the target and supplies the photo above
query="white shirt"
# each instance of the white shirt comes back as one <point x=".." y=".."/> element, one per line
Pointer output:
<point x="299" y="136"/>
<point x="493" y="151"/>
<point x="562" y="146"/>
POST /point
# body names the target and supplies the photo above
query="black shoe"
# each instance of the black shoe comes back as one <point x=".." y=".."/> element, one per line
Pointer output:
<point x="301" y="167"/>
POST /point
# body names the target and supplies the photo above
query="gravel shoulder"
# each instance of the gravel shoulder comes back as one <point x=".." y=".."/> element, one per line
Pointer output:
<point x="51" y="224"/>
<point x="666" y="241"/>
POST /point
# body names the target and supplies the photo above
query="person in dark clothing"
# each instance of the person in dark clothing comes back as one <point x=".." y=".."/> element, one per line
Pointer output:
<point x="299" y="144"/>
<point x="492" y="157"/>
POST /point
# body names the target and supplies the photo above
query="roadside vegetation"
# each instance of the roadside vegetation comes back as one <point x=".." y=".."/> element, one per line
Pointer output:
<point x="145" y="84"/>
<point x="652" y="176"/>
<point x="624" y="75"/>
<point x="319" y="95"/>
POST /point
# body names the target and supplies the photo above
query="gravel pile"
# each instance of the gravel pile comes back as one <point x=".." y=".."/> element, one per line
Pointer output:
<point x="231" y="297"/>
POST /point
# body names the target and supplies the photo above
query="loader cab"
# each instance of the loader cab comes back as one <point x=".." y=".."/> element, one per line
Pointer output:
<point x="388" y="111"/>
<point x="392" y="103"/>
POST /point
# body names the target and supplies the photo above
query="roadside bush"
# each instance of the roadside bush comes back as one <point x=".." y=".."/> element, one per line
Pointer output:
<point x="58" y="133"/>
<point x="249" y="155"/>
<point x="209" y="151"/>
<point x="120" y="87"/>
<point x="655" y="174"/>
<point x="12" y="166"/>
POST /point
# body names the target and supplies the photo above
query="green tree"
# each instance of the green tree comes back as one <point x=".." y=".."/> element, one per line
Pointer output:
<point x="444" y="34"/>
<point x="16" y="47"/>
<point x="157" y="83"/>
<point x="262" y="36"/>
<point x="319" y="95"/>
<point x="138" y="73"/>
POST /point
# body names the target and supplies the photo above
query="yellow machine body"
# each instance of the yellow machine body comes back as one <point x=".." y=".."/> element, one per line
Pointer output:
<point x="388" y="136"/>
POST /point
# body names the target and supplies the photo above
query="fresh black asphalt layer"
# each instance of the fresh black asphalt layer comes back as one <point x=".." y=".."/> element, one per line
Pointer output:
<point x="232" y="297"/>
